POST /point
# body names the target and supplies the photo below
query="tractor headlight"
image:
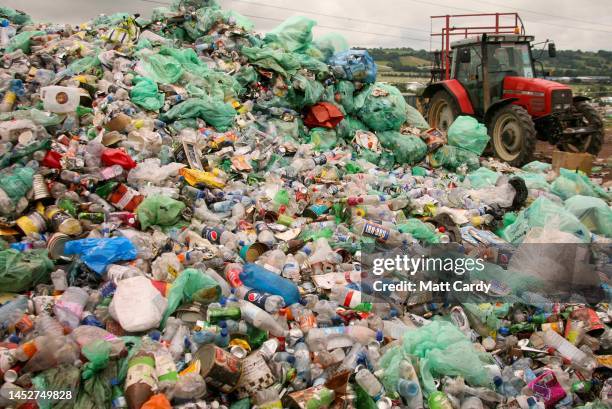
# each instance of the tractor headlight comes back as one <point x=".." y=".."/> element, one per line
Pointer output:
<point x="557" y="107"/>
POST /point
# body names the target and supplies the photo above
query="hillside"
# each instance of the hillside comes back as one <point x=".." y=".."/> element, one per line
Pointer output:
<point x="409" y="62"/>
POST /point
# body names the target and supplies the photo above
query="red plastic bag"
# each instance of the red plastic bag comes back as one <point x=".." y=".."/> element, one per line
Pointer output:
<point x="117" y="157"/>
<point x="52" y="160"/>
<point x="323" y="114"/>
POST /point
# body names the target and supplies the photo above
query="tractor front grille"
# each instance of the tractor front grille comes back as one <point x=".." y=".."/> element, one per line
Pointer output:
<point x="561" y="100"/>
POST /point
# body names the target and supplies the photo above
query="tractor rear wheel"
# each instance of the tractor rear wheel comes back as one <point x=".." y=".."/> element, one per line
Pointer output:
<point x="590" y="143"/>
<point x="513" y="135"/>
<point x="442" y="110"/>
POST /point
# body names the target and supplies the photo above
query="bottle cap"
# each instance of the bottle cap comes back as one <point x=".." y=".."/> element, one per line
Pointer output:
<point x="504" y="331"/>
<point x="5" y="22"/>
<point x="498" y="381"/>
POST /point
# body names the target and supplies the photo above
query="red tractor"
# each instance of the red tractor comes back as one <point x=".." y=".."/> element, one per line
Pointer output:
<point x="490" y="74"/>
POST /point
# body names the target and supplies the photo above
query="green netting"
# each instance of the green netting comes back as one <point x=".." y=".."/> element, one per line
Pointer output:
<point x="323" y="139"/>
<point x="545" y="213"/>
<point x="467" y="133"/>
<point x="17" y="184"/>
<point x="146" y="94"/>
<point x="22" y="41"/>
<point x="14" y="16"/>
<point x="408" y="149"/>
<point x="293" y="34"/>
<point x="348" y="127"/>
<point x="382" y="107"/>
<point x="482" y="177"/>
<point x="304" y="92"/>
<point x="215" y="112"/>
<point x="451" y="157"/>
<point x="570" y="183"/>
<point x="21" y="271"/>
<point x="593" y="212"/>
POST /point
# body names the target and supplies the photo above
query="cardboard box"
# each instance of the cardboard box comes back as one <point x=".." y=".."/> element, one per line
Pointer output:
<point x="572" y="161"/>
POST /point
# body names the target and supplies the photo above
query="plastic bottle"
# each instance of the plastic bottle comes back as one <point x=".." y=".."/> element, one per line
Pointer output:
<point x="349" y="298"/>
<point x="291" y="269"/>
<point x="4" y="33"/>
<point x="69" y="308"/>
<point x="439" y="400"/>
<point x="165" y="371"/>
<point x="317" y="337"/>
<point x="370" y="384"/>
<point x="8" y="309"/>
<point x="380" y="232"/>
<point x="260" y="319"/>
<point x="268" y="302"/>
<point x="259" y="278"/>
<point x="410" y="391"/>
<point x="117" y="398"/>
<point x="141" y="380"/>
<point x="46" y="325"/>
<point x="569" y="351"/>
<point x="302" y="362"/>
<point x="177" y="344"/>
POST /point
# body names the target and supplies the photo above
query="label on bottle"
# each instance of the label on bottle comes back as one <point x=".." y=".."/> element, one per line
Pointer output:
<point x="257" y="298"/>
<point x="165" y="368"/>
<point x="376" y="231"/>
<point x="141" y="369"/>
<point x="212" y="234"/>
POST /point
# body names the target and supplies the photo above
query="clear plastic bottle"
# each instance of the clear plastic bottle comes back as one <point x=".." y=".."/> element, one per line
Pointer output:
<point x="46" y="325"/>
<point x="569" y="351"/>
<point x="69" y="308"/>
<point x="370" y="384"/>
<point x="302" y="361"/>
<point x="270" y="303"/>
<point x="260" y="319"/>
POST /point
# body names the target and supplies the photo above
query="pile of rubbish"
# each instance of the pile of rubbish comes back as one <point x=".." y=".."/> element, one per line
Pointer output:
<point x="186" y="210"/>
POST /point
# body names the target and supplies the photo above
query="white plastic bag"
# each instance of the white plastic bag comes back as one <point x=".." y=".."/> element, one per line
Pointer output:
<point x="137" y="304"/>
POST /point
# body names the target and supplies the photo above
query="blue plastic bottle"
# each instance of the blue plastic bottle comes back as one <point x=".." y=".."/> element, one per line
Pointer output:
<point x="258" y="278"/>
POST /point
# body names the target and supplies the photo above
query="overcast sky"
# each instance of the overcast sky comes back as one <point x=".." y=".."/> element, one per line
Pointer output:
<point x="572" y="24"/>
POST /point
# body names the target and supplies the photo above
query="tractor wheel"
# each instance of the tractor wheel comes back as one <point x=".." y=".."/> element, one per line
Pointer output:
<point x="442" y="110"/>
<point x="592" y="142"/>
<point x="513" y="135"/>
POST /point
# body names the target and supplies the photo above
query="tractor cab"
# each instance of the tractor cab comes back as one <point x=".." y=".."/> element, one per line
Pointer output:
<point x="491" y="74"/>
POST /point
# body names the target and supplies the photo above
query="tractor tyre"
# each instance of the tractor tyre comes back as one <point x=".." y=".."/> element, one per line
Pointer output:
<point x="442" y="110"/>
<point x="513" y="135"/>
<point x="594" y="141"/>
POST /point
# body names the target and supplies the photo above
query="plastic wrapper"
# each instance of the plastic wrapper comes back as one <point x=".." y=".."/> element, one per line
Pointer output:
<point x="408" y="149"/>
<point x="451" y="157"/>
<point x="217" y="113"/>
<point x="545" y="213"/>
<point x="146" y="94"/>
<point x="354" y="65"/>
<point x="20" y="271"/>
<point x="97" y="254"/>
<point x="159" y="210"/>
<point x="467" y="133"/>
<point x="381" y="107"/>
<point x="570" y="183"/>
<point x="592" y="212"/>
<point x="17" y="184"/>
<point x="191" y="285"/>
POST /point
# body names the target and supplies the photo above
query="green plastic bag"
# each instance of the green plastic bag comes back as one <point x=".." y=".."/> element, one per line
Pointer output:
<point x="158" y="210"/>
<point x="284" y="63"/>
<point x="84" y="64"/>
<point x="467" y="133"/>
<point x="381" y="107"/>
<point x="246" y="76"/>
<point x="408" y="149"/>
<point x="451" y="157"/>
<point x="97" y="353"/>
<point x="418" y="230"/>
<point x="14" y="16"/>
<point x="482" y="177"/>
<point x="570" y="183"/>
<point x="216" y="113"/>
<point x="17" y="184"/>
<point x="22" y="41"/>
<point x="537" y="167"/>
<point x="293" y="34"/>
<point x="145" y="94"/>
<point x="344" y="91"/>
<point x="443" y="350"/>
<point x="545" y="213"/>
<point x="348" y="127"/>
<point x="207" y="17"/>
<point x="323" y="139"/>
<point x="60" y="378"/>
<point x="21" y="271"/>
<point x="534" y="180"/>
<point x="161" y="68"/>
<point x="369" y="156"/>
<point x="304" y="92"/>
<point x="414" y="118"/>
<point x="593" y="212"/>
<point x="328" y="45"/>
<point x="191" y="285"/>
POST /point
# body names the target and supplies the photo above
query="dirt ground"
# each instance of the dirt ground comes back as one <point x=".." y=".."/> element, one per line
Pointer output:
<point x="604" y="159"/>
